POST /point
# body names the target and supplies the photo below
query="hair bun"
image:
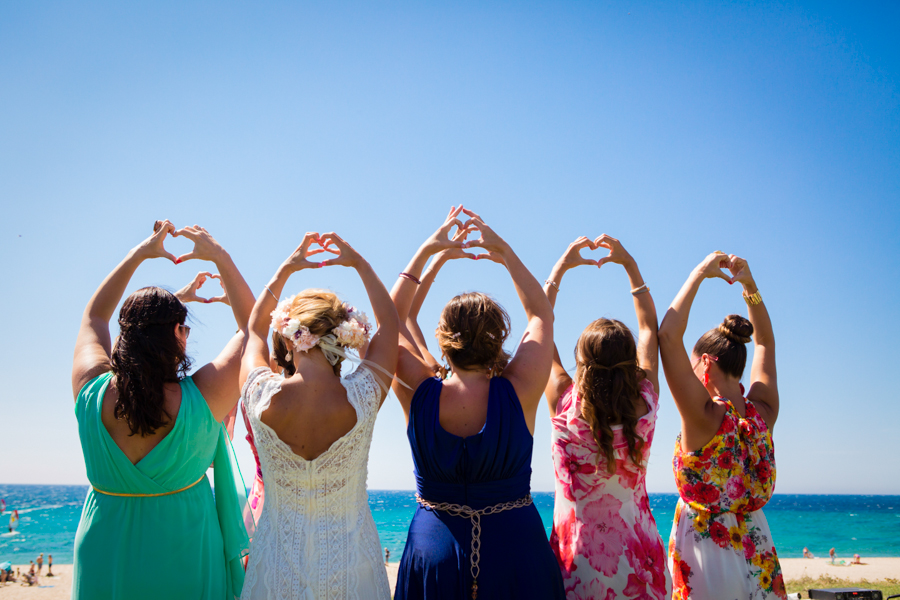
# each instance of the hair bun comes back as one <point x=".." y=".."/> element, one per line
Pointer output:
<point x="737" y="329"/>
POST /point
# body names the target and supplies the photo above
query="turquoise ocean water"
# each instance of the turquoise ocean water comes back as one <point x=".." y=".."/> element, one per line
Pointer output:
<point x="865" y="525"/>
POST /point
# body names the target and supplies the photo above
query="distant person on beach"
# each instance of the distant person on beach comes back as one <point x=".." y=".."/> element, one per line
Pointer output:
<point x="387" y="556"/>
<point x="807" y="553"/>
<point x="40" y="563"/>
<point x="721" y="546"/>
<point x="313" y="430"/>
<point x="149" y="433"/>
<point x="856" y="560"/>
<point x="831" y="554"/>
<point x="602" y="429"/>
<point x="49" y="565"/>
<point x="471" y="433"/>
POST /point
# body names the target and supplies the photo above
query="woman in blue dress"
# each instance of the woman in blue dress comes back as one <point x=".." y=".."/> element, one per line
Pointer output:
<point x="476" y="533"/>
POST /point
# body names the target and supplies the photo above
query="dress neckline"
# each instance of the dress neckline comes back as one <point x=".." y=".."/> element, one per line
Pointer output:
<point x="336" y="443"/>
<point x="109" y="438"/>
<point x="487" y="417"/>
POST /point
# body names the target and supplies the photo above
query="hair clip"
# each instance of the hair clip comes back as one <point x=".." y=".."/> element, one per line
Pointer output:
<point x="456" y="335"/>
<point x="491" y="335"/>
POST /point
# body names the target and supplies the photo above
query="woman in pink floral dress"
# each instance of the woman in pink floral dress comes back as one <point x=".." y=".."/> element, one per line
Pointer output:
<point x="604" y="535"/>
<point x="720" y="545"/>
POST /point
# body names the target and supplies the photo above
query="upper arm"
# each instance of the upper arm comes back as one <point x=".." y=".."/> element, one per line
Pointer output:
<point x="690" y="396"/>
<point x="382" y="350"/>
<point x="218" y="381"/>
<point x="648" y="355"/>
<point x="92" y="352"/>
<point x="529" y="370"/>
<point x="557" y="384"/>
<point x="411" y="369"/>
<point x="764" y="383"/>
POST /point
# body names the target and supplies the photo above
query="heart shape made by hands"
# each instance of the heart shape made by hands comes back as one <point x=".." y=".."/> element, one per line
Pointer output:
<point x="223" y="297"/>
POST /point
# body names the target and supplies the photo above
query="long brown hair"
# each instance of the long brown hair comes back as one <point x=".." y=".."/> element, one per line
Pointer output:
<point x="471" y="333"/>
<point x="147" y="354"/>
<point x="607" y="379"/>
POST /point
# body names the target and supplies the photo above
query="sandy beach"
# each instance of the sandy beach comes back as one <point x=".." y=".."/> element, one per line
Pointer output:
<point x="872" y="569"/>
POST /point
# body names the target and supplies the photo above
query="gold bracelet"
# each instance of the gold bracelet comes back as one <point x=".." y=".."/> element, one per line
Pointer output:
<point x="753" y="299"/>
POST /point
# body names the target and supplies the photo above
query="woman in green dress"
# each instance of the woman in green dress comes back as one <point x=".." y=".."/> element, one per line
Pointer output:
<point x="150" y="527"/>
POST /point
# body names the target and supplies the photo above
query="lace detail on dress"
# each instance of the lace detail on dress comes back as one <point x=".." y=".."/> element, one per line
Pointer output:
<point x="316" y="537"/>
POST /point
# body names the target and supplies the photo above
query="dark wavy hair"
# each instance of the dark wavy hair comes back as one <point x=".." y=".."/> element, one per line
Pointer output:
<point x="147" y="355"/>
<point x="727" y="343"/>
<point x="607" y="379"/>
<point x="471" y="333"/>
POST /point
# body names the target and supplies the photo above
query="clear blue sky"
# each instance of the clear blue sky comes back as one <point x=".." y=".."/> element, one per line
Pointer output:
<point x="770" y="130"/>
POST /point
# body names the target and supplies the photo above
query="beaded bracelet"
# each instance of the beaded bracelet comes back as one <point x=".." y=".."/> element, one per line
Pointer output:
<point x="411" y="278"/>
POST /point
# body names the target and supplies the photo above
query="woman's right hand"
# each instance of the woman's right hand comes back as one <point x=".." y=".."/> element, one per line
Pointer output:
<point x="455" y="252"/>
<point x="712" y="266"/>
<point x="299" y="259"/>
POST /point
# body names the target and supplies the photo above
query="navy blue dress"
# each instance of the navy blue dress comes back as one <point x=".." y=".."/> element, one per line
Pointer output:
<point x="490" y="467"/>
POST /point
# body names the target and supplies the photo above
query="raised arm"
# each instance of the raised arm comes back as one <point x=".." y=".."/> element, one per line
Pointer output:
<point x="529" y="369"/>
<point x="696" y="407"/>
<point x="412" y="367"/>
<point x="93" y="345"/>
<point x="560" y="380"/>
<point x="428" y="277"/>
<point x="382" y="348"/>
<point x="644" y="308"/>
<point x="256" y="351"/>
<point x="763" y="390"/>
<point x="218" y="380"/>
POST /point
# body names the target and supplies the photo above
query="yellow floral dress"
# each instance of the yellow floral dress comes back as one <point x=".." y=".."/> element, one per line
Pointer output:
<point x="721" y="546"/>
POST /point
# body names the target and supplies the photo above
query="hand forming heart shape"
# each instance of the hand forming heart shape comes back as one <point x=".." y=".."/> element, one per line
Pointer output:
<point x="189" y="292"/>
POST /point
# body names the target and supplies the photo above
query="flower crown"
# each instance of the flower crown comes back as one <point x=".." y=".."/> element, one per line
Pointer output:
<point x="351" y="333"/>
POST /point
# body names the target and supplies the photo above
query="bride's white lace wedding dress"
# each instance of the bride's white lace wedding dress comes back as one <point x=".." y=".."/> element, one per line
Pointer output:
<point x="315" y="539"/>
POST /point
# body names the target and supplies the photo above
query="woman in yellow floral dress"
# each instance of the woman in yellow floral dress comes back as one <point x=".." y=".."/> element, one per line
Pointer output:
<point x="721" y="546"/>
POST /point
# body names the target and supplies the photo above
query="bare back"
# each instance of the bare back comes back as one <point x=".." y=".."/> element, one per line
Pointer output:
<point x="310" y="413"/>
<point x="136" y="446"/>
<point x="464" y="406"/>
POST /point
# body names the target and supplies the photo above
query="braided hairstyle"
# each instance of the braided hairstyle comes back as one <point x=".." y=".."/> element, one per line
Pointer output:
<point x="607" y="379"/>
<point x="728" y="344"/>
<point x="146" y="355"/>
<point x="471" y="333"/>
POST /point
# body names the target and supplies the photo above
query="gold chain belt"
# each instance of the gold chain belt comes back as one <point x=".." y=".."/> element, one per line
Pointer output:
<point x="149" y="495"/>
<point x="461" y="510"/>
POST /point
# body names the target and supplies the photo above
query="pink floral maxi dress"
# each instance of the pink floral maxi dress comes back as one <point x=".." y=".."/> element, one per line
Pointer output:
<point x="720" y="545"/>
<point x="604" y="535"/>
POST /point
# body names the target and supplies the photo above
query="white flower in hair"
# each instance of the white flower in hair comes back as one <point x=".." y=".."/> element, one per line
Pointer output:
<point x="351" y="333"/>
<point x="292" y="329"/>
<point x="303" y="339"/>
<point x="360" y="317"/>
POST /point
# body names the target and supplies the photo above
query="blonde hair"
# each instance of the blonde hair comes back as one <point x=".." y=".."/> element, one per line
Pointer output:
<point x="320" y="311"/>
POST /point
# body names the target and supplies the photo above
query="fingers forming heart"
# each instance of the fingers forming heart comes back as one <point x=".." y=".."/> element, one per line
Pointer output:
<point x="221" y="298"/>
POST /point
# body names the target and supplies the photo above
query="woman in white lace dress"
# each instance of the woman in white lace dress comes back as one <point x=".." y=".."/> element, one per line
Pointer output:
<point x="316" y="539"/>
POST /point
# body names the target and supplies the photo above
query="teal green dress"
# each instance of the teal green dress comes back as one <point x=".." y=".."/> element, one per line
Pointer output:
<point x="150" y="542"/>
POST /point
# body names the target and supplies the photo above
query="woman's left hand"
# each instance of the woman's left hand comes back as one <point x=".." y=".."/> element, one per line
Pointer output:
<point x="740" y="271"/>
<point x="489" y="240"/>
<point x="205" y="245"/>
<point x="617" y="253"/>
<point x="346" y="255"/>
